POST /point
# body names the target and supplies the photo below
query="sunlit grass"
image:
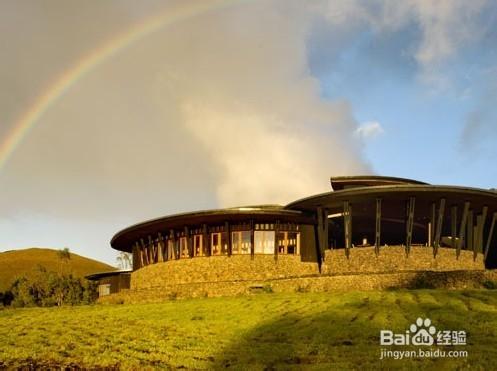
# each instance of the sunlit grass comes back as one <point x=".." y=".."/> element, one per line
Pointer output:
<point x="301" y="330"/>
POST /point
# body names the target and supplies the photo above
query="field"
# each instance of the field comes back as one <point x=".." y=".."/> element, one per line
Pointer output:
<point x="262" y="331"/>
<point x="24" y="262"/>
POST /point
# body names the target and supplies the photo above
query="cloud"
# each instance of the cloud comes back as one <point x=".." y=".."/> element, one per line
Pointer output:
<point x="369" y="130"/>
<point x="480" y="125"/>
<point x="445" y="27"/>
<point x="218" y="110"/>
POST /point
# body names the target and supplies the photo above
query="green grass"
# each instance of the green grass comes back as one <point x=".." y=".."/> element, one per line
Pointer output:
<point x="16" y="263"/>
<point x="302" y="330"/>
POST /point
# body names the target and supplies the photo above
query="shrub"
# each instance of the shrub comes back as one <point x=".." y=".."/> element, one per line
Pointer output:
<point x="267" y="289"/>
<point x="422" y="282"/>
<point x="48" y="289"/>
<point x="302" y="289"/>
<point x="491" y="285"/>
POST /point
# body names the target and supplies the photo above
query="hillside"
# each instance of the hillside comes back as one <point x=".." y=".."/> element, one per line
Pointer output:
<point x="22" y="262"/>
<point x="267" y="331"/>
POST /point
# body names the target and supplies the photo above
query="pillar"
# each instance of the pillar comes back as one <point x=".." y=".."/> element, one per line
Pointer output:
<point x="438" y="232"/>
<point x="377" y="238"/>
<point x="462" y="228"/>
<point x="410" y="224"/>
<point x="490" y="234"/>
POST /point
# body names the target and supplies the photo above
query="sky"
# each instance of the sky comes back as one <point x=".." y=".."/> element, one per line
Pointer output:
<point x="115" y="112"/>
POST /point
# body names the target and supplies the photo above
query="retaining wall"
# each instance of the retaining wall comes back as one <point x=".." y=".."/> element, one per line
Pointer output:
<point x="409" y="280"/>
<point x="221" y="269"/>
<point x="394" y="259"/>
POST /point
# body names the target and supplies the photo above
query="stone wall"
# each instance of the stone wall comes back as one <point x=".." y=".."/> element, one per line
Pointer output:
<point x="409" y="280"/>
<point x="393" y="259"/>
<point x="221" y="269"/>
<point x="240" y="274"/>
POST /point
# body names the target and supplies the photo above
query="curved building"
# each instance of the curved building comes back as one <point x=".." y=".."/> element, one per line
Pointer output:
<point x="378" y="222"/>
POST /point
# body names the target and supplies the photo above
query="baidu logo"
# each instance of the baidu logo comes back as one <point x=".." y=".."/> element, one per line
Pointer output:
<point x="423" y="333"/>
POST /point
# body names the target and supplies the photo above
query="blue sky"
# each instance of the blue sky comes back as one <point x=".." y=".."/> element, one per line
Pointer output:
<point x="423" y="123"/>
<point x="251" y="102"/>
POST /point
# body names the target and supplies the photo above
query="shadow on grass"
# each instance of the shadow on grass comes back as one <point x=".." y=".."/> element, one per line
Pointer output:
<point x="347" y="337"/>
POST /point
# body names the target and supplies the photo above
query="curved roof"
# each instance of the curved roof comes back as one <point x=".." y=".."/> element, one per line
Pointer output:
<point x="98" y="275"/>
<point x="343" y="182"/>
<point x="124" y="239"/>
<point x="422" y="192"/>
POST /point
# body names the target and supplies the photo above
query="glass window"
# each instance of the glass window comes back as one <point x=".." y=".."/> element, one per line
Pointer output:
<point x="104" y="290"/>
<point x="216" y="243"/>
<point x="288" y="243"/>
<point x="224" y="243"/>
<point x="183" y="245"/>
<point x="240" y="242"/>
<point x="281" y="240"/>
<point x="235" y="242"/>
<point x="292" y="244"/>
<point x="264" y="242"/>
<point x="197" y="245"/>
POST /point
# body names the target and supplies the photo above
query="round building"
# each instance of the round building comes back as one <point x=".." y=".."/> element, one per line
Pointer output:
<point x="366" y="224"/>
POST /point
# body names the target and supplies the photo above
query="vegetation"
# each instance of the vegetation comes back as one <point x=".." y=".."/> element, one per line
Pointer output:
<point x="262" y="331"/>
<point x="45" y="288"/>
<point x="489" y="284"/>
<point x="19" y="263"/>
<point x="124" y="260"/>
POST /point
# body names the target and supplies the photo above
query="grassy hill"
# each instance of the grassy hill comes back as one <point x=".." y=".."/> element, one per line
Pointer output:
<point x="322" y="331"/>
<point x="23" y="262"/>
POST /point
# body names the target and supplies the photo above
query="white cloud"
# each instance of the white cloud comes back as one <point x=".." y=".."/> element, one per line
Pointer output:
<point x="369" y="130"/>
<point x="445" y="26"/>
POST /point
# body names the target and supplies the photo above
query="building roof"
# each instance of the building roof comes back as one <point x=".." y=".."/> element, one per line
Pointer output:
<point x="98" y="275"/>
<point x="344" y="182"/>
<point x="124" y="239"/>
<point x="425" y="195"/>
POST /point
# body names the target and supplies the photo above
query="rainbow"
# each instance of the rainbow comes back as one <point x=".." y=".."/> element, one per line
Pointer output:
<point x="90" y="61"/>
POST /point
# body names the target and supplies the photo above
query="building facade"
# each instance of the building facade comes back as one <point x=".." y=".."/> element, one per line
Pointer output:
<point x="368" y="213"/>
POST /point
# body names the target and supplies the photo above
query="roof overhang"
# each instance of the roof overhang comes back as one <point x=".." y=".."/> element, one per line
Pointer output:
<point x="424" y="194"/>
<point x="124" y="239"/>
<point x="347" y="182"/>
<point x="99" y="275"/>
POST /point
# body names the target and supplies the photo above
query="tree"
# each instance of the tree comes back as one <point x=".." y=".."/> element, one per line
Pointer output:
<point x="64" y="257"/>
<point x="46" y="289"/>
<point x="124" y="260"/>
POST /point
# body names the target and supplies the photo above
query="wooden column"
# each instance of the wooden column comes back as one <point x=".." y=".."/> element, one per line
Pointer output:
<point x="433" y="223"/>
<point x="377" y="239"/>
<point x="227" y="230"/>
<point x="321" y="230"/>
<point x="469" y="234"/>
<point x="167" y="249"/>
<point x="476" y="236"/>
<point x="490" y="234"/>
<point x="145" y="251"/>
<point x="137" y="258"/>
<point x="410" y="224"/>
<point x="276" y="245"/>
<point x="462" y="228"/>
<point x="326" y="231"/>
<point x="206" y="240"/>
<point x="172" y="240"/>
<point x="480" y="224"/>
<point x="151" y="249"/>
<point x="347" y="227"/>
<point x="438" y="233"/>
<point x="163" y="244"/>
<point x="252" y="246"/>
<point x="189" y="244"/>
<point x="453" y="226"/>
